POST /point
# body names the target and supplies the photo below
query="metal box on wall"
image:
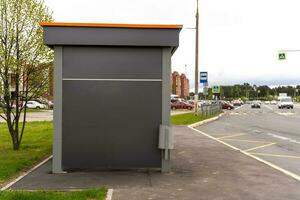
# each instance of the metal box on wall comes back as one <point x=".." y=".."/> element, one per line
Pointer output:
<point x="111" y="94"/>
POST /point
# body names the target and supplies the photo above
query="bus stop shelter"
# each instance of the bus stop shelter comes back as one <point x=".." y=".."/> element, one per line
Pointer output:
<point x="111" y="95"/>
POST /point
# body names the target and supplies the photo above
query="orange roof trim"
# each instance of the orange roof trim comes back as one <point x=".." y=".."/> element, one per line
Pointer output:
<point x="100" y="25"/>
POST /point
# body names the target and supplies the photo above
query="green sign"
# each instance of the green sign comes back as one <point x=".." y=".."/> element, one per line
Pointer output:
<point x="281" y="56"/>
<point x="216" y="89"/>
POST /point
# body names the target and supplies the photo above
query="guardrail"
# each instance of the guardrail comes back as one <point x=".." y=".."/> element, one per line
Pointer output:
<point x="210" y="109"/>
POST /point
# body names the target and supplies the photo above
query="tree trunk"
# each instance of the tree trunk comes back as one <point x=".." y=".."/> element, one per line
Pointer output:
<point x="14" y="136"/>
<point x="16" y="146"/>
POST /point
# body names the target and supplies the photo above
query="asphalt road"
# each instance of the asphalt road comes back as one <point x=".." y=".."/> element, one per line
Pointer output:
<point x="268" y="133"/>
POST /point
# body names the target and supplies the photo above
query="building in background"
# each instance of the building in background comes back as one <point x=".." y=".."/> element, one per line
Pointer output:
<point x="180" y="85"/>
<point x="185" y="86"/>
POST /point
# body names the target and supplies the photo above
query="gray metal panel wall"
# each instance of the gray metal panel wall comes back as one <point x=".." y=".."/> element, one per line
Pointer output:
<point x="112" y="62"/>
<point x="111" y="124"/>
<point x="110" y="36"/>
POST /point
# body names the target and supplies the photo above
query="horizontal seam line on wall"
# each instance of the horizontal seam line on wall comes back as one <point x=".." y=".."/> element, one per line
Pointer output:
<point x="91" y="79"/>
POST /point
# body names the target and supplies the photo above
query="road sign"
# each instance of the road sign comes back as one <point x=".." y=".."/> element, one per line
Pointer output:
<point x="281" y="56"/>
<point x="203" y="77"/>
<point x="216" y="89"/>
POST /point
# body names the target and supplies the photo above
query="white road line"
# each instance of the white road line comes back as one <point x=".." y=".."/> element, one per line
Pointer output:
<point x="268" y="107"/>
<point x="25" y="174"/>
<point x="283" y="138"/>
<point x="284" y="114"/>
<point x="239" y="107"/>
<point x="231" y="136"/>
<point x="291" y="174"/>
<point x="259" y="147"/>
<point x="251" y="141"/>
<point x="276" y="155"/>
<point x="109" y="194"/>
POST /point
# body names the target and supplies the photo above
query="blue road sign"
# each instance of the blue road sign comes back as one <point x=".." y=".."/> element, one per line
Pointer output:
<point x="281" y="56"/>
<point x="203" y="77"/>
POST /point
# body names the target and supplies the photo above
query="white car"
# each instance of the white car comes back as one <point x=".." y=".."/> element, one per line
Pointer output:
<point x="273" y="102"/>
<point x="285" y="102"/>
<point x="35" y="105"/>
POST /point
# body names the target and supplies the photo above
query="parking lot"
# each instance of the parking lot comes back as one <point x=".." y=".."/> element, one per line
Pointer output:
<point x="268" y="133"/>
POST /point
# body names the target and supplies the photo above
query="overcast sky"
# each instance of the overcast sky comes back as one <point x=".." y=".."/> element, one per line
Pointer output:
<point x="239" y="39"/>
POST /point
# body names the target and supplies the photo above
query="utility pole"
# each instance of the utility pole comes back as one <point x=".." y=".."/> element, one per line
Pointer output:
<point x="196" y="61"/>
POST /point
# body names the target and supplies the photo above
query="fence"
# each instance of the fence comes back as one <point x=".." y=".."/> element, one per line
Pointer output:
<point x="210" y="109"/>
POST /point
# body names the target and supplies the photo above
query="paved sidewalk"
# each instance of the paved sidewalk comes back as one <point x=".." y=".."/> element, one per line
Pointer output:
<point x="179" y="112"/>
<point x="203" y="169"/>
<point x="44" y="115"/>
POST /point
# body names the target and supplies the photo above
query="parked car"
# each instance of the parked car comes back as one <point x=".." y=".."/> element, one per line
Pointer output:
<point x="267" y="102"/>
<point x="50" y="104"/>
<point x="181" y="105"/>
<point x="237" y="103"/>
<point x="35" y="105"/>
<point x="255" y="104"/>
<point x="227" y="105"/>
<point x="285" y="102"/>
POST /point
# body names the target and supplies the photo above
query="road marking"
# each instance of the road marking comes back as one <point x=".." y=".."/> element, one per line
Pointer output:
<point x="239" y="107"/>
<point x="284" y="114"/>
<point x="254" y="141"/>
<point x="284" y="138"/>
<point x="268" y="107"/>
<point x="231" y="136"/>
<point x="276" y="155"/>
<point x="286" y="172"/>
<point x="109" y="194"/>
<point x="259" y="147"/>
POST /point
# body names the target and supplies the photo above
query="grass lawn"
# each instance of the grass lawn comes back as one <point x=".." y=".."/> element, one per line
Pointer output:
<point x="99" y="194"/>
<point x="188" y="118"/>
<point x="36" y="145"/>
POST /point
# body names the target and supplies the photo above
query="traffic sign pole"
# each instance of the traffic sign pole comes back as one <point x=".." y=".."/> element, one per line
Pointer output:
<point x="196" y="61"/>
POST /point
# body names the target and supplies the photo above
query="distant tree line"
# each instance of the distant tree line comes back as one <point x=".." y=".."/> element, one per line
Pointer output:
<point x="250" y="92"/>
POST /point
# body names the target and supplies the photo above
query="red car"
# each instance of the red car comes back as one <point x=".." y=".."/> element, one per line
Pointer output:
<point x="181" y="105"/>
<point x="227" y="106"/>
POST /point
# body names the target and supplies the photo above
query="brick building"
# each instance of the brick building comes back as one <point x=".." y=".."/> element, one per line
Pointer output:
<point x="180" y="85"/>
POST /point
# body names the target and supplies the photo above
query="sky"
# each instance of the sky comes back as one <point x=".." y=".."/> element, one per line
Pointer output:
<point x="239" y="40"/>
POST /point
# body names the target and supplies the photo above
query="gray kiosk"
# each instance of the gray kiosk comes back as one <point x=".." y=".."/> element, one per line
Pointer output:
<point x="111" y="95"/>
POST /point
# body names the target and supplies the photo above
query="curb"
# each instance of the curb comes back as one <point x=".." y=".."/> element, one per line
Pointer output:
<point x="206" y="121"/>
<point x="109" y="194"/>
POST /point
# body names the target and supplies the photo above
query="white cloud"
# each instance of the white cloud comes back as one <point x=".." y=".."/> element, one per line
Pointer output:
<point x="238" y="39"/>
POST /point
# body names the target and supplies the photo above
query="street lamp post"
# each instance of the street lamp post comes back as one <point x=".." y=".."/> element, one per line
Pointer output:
<point x="196" y="61"/>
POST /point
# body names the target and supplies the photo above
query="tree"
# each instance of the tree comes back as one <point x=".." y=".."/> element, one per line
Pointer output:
<point x="23" y="60"/>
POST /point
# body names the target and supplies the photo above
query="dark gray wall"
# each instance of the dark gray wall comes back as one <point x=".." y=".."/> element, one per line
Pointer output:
<point x="111" y="124"/>
<point x="111" y="36"/>
<point x="112" y="62"/>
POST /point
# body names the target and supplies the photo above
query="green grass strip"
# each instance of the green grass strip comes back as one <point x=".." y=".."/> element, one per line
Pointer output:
<point x="36" y="145"/>
<point x="189" y="118"/>
<point x="94" y="194"/>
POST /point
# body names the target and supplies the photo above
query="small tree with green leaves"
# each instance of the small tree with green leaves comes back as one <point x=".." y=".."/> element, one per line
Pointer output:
<point x="23" y="61"/>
